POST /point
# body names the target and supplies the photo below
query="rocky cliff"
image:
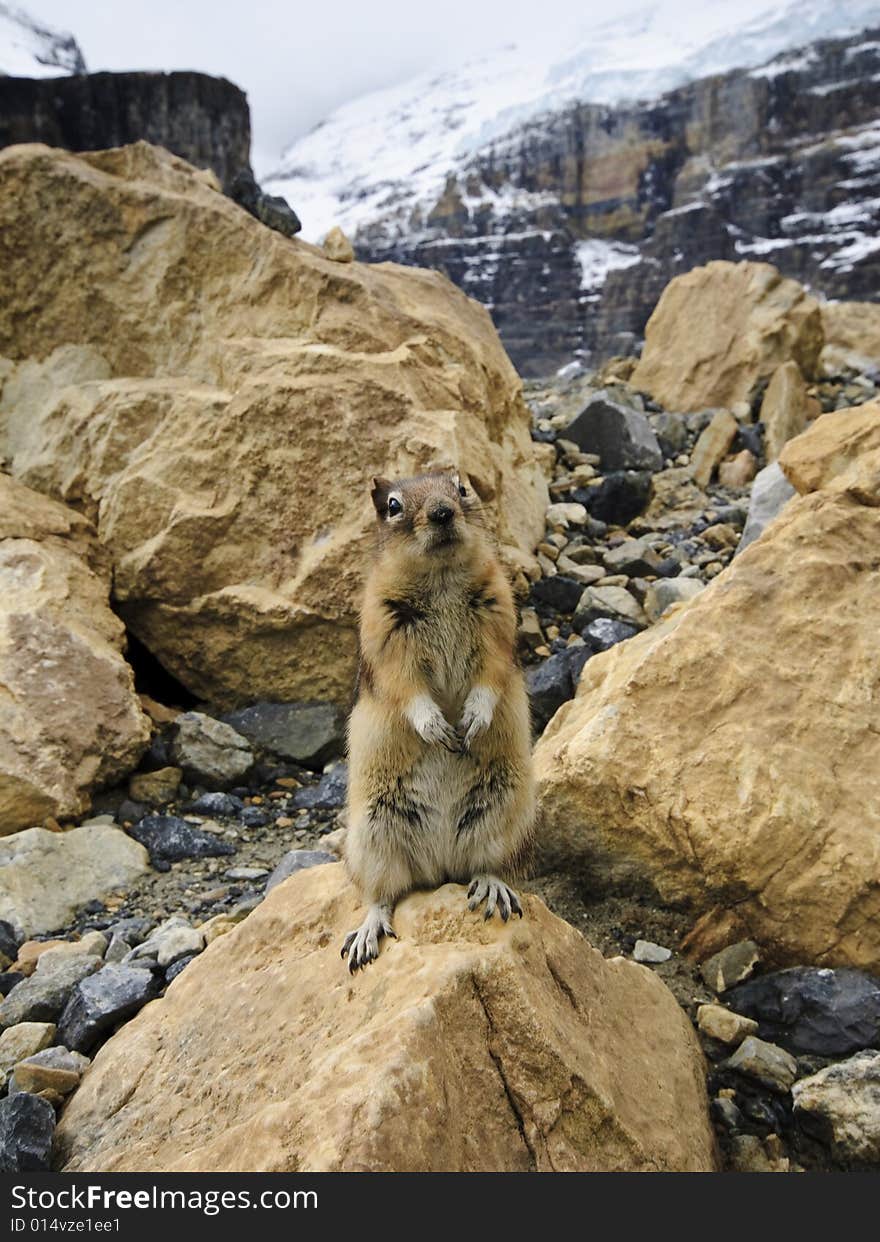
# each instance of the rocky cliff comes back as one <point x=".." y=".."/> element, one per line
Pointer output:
<point x="569" y="227"/>
<point x="203" y="119"/>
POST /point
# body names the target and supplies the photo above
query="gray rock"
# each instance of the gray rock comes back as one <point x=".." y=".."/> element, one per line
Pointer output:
<point x="101" y="1002"/>
<point x="649" y="953"/>
<point x="270" y="209"/>
<point x="732" y="965"/>
<point x="178" y="942"/>
<point x="169" y="838"/>
<point x="620" y="436"/>
<point x="209" y="751"/>
<point x="770" y="1065"/>
<point x="309" y="733"/>
<point x="604" y="633"/>
<point x="671" y="431"/>
<point x="668" y="591"/>
<point x="613" y="602"/>
<point x="46" y="877"/>
<point x="42" y="997"/>
<point x="298" y="860"/>
<point x="178" y="966"/>
<point x="553" y="682"/>
<point x="841" y="1106"/>
<point x="633" y="557"/>
<point x="328" y="794"/>
<point x="813" y="1009"/>
<point x="60" y="1058"/>
<point x="246" y="873"/>
<point x="9" y="941"/>
<point x="771" y="492"/>
<point x="27" y="1124"/>
<point x="225" y="805"/>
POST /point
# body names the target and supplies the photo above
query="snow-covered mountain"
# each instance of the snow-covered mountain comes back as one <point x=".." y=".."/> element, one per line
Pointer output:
<point x="29" y="49"/>
<point x="388" y="152"/>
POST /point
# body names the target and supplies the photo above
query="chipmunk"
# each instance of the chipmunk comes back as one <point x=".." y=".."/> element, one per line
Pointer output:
<point x="440" y="776"/>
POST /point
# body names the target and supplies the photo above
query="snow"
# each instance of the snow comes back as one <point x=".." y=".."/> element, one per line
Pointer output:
<point x="386" y="156"/>
<point x="791" y="62"/>
<point x="29" y="49"/>
<point x="597" y="258"/>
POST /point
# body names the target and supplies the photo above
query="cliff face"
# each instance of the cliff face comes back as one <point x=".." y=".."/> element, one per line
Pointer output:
<point x="570" y="228"/>
<point x="204" y="119"/>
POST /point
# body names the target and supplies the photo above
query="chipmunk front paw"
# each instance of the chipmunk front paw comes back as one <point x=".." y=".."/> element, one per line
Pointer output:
<point x="431" y="725"/>
<point x="495" y="893"/>
<point x="476" y="716"/>
<point x="362" y="945"/>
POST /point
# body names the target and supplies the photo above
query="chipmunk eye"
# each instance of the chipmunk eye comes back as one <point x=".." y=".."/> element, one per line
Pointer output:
<point x="462" y="490"/>
<point x="394" y="507"/>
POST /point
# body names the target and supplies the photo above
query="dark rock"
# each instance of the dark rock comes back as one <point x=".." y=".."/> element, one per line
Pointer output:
<point x="254" y="817"/>
<point x="672" y="433"/>
<point x="103" y="1000"/>
<point x="553" y="682"/>
<point x="808" y="1009"/>
<point x="129" y="811"/>
<point x="8" y="980"/>
<point x="668" y="568"/>
<point x="41" y="997"/>
<point x="621" y="436"/>
<point x="222" y="805"/>
<point x="27" y="1124"/>
<point x="298" y="860"/>
<point x="133" y="931"/>
<point x="270" y="209"/>
<point x="751" y="437"/>
<point x="620" y="496"/>
<point x="203" y="119"/>
<point x="158" y="754"/>
<point x="731" y="965"/>
<point x="308" y="733"/>
<point x="9" y="941"/>
<point x="328" y="794"/>
<point x="603" y="633"/>
<point x="559" y="593"/>
<point x="209" y="751"/>
<point x="168" y="839"/>
<point x="175" y="968"/>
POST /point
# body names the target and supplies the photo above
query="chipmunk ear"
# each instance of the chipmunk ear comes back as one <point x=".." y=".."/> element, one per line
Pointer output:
<point x="379" y="494"/>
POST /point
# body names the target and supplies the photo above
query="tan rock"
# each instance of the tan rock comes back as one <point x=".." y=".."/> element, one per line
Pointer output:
<point x="45" y="877"/>
<point x="712" y="446"/>
<point x="92" y="944"/>
<point x="724" y="1025"/>
<point x="467" y="1046"/>
<point x="739" y="470"/>
<point x="852" y="337"/>
<point x="156" y="787"/>
<point x="30" y="953"/>
<point x="23" y="1040"/>
<point x="762" y="797"/>
<point x="720" y="329"/>
<point x="217" y="397"/>
<point x="784" y="408"/>
<point x="338" y="247"/>
<point x="37" y="1078"/>
<point x="831" y="446"/>
<point x="70" y="721"/>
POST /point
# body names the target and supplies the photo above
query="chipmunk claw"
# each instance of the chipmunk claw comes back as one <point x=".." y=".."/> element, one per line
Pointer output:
<point x="497" y="896"/>
<point x="362" y="945"/>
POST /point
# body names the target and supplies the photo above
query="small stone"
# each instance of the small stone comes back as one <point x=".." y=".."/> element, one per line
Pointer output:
<point x="209" y="751"/>
<point x="30" y="953"/>
<point x="337" y="247"/>
<point x="253" y="817"/>
<point x="732" y="965"/>
<point x="178" y="942"/>
<point x="840" y="1105"/>
<point x="298" y="860"/>
<point x="566" y="514"/>
<point x="647" y="952"/>
<point x="633" y="557"/>
<point x="553" y="682"/>
<point x="725" y="1111"/>
<point x="713" y="446"/>
<point x="60" y="1058"/>
<point x="41" y="998"/>
<point x="169" y="838"/>
<point x="32" y="1077"/>
<point x="620" y="497"/>
<point x="8" y="943"/>
<point x="27" y="1124"/>
<point x="218" y="926"/>
<point x="719" y="1023"/>
<point x="747" y="1155"/>
<point x="92" y="944"/>
<point x="768" y="1063"/>
<point x="587" y="575"/>
<point x="178" y="965"/>
<point x="157" y="787"/>
<point x="771" y="492"/>
<point x="559" y="593"/>
<point x="101" y="1002"/>
<point x="739" y="470"/>
<point x="613" y="602"/>
<point x="668" y="591"/>
<point x="530" y="628"/>
<point x="328" y="794"/>
<point x="23" y="1040"/>
<point x="246" y="873"/>
<point x="720" y="535"/>
<point x="604" y="633"/>
<point x="224" y="805"/>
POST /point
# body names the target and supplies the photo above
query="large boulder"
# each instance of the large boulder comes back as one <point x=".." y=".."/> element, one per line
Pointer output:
<point x="831" y="447"/>
<point x="467" y="1046"/>
<point x="728" y="756"/>
<point x="70" y="721"/>
<point x="216" y="397"/>
<point x="852" y="337"/>
<point x="719" y="330"/>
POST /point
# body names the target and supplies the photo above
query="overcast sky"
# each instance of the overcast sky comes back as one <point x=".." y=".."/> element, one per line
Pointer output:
<point x="297" y="61"/>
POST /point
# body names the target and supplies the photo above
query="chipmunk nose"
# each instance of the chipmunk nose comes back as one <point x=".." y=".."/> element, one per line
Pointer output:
<point x="441" y="514"/>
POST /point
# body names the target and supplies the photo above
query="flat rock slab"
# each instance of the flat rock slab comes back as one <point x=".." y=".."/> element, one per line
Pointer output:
<point x="468" y="1045"/>
<point x="169" y="838"/>
<point x="310" y="733"/>
<point x="45" y="877"/>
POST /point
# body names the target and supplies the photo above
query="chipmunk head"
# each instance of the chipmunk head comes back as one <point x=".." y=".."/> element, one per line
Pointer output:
<point x="436" y="512"/>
